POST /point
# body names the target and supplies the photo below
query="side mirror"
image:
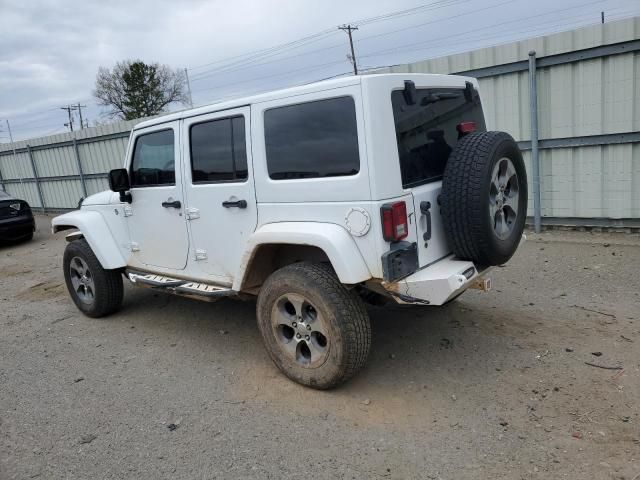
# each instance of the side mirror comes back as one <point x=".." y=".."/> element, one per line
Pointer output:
<point x="119" y="182"/>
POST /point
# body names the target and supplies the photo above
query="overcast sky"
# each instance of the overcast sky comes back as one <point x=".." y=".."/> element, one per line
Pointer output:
<point x="50" y="50"/>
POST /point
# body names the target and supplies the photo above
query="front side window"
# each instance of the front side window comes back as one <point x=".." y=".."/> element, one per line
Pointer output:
<point x="218" y="151"/>
<point x="426" y="130"/>
<point x="313" y="139"/>
<point x="154" y="160"/>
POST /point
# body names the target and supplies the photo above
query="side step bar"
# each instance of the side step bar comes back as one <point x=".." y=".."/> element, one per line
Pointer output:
<point x="202" y="291"/>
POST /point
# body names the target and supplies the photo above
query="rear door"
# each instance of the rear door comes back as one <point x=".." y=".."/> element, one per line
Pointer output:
<point x="221" y="202"/>
<point x="427" y="132"/>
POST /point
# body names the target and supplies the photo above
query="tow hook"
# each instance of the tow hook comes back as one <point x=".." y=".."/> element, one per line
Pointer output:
<point x="483" y="284"/>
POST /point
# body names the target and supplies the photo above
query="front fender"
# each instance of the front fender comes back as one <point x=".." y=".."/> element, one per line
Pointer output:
<point x="96" y="232"/>
<point x="332" y="239"/>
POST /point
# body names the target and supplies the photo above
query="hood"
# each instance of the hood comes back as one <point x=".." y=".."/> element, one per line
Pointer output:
<point x="101" y="198"/>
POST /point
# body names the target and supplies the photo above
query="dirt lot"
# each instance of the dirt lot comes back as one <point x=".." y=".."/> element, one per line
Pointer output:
<point x="491" y="386"/>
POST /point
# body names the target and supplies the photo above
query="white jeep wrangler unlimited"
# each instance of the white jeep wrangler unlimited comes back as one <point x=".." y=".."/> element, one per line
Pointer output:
<point x="315" y="199"/>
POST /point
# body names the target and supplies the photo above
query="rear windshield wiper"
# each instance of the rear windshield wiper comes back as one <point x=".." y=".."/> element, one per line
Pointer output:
<point x="436" y="97"/>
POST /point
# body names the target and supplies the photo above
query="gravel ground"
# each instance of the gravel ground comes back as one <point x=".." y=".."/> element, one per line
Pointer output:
<point x="491" y="386"/>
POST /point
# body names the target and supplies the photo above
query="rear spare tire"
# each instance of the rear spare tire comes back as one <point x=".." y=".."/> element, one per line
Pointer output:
<point x="484" y="198"/>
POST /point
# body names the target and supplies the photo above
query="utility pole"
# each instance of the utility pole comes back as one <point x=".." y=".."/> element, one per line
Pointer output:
<point x="602" y="17"/>
<point x="349" y="29"/>
<point x="186" y="74"/>
<point x="69" y="108"/>
<point x="79" y="108"/>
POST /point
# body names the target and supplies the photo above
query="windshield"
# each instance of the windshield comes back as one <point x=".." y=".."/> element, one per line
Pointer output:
<point x="426" y="130"/>
<point x="4" y="195"/>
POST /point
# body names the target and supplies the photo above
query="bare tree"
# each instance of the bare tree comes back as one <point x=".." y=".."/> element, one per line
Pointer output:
<point x="134" y="89"/>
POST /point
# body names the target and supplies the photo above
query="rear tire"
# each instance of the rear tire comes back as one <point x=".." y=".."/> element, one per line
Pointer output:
<point x="484" y="198"/>
<point x="95" y="291"/>
<point x="315" y="330"/>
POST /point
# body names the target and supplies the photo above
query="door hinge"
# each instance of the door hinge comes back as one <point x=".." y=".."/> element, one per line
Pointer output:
<point x="128" y="211"/>
<point x="193" y="213"/>
<point x="200" y="254"/>
<point x="134" y="247"/>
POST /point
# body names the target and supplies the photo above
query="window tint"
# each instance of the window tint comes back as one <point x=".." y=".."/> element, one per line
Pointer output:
<point x="426" y="131"/>
<point x="154" y="160"/>
<point x="314" y="139"/>
<point x="218" y="151"/>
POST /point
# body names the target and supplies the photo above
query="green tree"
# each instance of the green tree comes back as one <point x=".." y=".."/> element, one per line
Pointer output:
<point x="134" y="89"/>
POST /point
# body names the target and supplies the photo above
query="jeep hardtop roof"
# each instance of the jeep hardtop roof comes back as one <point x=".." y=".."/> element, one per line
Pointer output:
<point x="294" y="91"/>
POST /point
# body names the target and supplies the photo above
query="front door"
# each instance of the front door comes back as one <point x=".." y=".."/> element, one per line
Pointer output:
<point x="220" y="191"/>
<point x="157" y="224"/>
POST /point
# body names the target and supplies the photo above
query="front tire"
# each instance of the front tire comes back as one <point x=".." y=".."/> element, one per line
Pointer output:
<point x="95" y="291"/>
<point x="315" y="330"/>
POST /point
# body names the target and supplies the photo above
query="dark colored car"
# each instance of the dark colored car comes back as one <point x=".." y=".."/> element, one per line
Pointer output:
<point x="16" y="219"/>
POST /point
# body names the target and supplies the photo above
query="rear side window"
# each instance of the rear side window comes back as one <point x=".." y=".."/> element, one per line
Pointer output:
<point x="154" y="160"/>
<point x="218" y="151"/>
<point x="311" y="140"/>
<point x="426" y="131"/>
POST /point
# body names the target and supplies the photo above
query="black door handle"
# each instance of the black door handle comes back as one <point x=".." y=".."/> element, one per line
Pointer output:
<point x="425" y="208"/>
<point x="174" y="204"/>
<point x="237" y="203"/>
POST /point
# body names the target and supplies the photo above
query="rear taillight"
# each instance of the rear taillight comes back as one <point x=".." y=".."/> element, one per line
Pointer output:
<point x="465" y="128"/>
<point x="394" y="221"/>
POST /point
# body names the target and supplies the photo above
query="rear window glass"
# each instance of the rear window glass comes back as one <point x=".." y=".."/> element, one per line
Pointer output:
<point x="218" y="151"/>
<point x="314" y="139"/>
<point x="426" y="131"/>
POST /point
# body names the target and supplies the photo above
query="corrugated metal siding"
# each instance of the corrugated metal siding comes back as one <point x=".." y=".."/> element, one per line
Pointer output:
<point x="588" y="97"/>
<point x="100" y="149"/>
<point x="100" y="157"/>
<point x="27" y="191"/>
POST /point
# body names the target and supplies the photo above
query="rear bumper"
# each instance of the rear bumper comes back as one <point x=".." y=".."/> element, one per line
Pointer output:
<point x="437" y="283"/>
<point x="16" y="228"/>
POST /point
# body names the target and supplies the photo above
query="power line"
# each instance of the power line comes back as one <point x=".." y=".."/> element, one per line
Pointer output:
<point x="409" y="11"/>
<point x="249" y="60"/>
<point x="264" y="51"/>
<point x="212" y="73"/>
<point x="35" y="127"/>
<point x="279" y="49"/>
<point x="404" y="46"/>
<point x="563" y="27"/>
<point x="280" y="74"/>
<point x="436" y="21"/>
<point x="432" y="42"/>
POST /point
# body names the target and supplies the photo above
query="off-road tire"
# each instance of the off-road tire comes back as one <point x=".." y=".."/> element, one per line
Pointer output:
<point x="347" y="323"/>
<point x="465" y="198"/>
<point x="109" y="290"/>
